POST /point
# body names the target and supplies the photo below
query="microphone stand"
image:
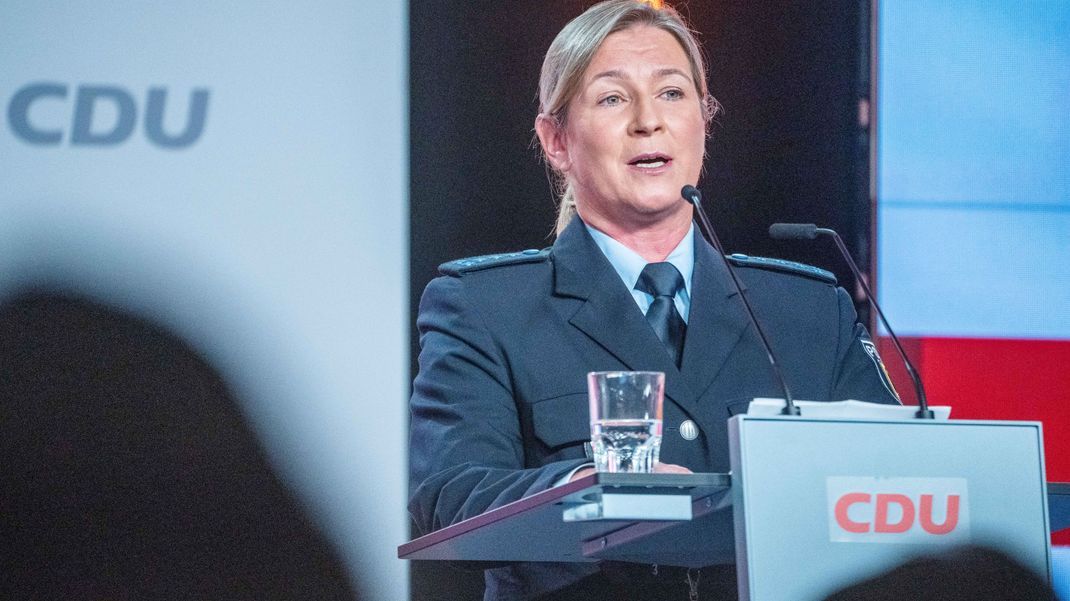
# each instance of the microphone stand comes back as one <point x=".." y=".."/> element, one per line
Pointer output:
<point x="919" y="390"/>
<point x="693" y="196"/>
<point x="809" y="231"/>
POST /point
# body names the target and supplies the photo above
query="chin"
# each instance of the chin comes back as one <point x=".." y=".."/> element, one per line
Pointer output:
<point x="663" y="200"/>
<point x="660" y="210"/>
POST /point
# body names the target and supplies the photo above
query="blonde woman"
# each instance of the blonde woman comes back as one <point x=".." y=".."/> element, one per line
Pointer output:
<point x="499" y="407"/>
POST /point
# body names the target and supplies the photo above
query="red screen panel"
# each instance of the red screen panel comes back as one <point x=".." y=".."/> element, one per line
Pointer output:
<point x="996" y="379"/>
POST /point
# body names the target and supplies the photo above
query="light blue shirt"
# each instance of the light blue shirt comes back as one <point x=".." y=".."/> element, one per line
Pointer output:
<point x="629" y="265"/>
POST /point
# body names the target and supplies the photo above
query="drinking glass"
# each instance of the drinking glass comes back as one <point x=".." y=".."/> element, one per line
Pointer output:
<point x="626" y="419"/>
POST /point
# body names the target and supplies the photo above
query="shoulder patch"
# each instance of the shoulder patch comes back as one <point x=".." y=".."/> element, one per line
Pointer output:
<point x="875" y="357"/>
<point x="460" y="267"/>
<point x="816" y="273"/>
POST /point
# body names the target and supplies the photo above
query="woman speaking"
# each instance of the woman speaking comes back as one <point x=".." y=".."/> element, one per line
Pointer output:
<point x="499" y="406"/>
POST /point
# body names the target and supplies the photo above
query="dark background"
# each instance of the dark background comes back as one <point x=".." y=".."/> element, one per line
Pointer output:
<point x="788" y="146"/>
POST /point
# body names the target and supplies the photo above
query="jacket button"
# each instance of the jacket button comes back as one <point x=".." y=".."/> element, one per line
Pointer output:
<point x="689" y="430"/>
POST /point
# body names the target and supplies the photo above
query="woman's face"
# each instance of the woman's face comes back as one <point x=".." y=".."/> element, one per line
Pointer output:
<point x="635" y="133"/>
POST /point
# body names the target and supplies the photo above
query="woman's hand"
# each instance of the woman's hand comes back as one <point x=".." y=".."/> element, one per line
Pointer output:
<point x="670" y="468"/>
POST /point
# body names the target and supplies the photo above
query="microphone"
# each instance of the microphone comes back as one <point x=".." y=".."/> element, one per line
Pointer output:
<point x="793" y="231"/>
<point x="809" y="231"/>
<point x="693" y="196"/>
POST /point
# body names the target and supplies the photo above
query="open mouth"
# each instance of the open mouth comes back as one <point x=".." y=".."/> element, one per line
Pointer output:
<point x="650" y="161"/>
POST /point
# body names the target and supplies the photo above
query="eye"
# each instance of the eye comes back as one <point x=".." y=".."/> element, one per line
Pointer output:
<point x="611" y="100"/>
<point x="673" y="94"/>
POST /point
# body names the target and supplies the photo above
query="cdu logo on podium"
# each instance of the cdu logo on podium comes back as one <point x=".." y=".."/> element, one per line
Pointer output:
<point x="102" y="115"/>
<point x="898" y="510"/>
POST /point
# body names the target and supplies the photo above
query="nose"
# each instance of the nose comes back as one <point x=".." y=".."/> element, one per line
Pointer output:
<point x="646" y="119"/>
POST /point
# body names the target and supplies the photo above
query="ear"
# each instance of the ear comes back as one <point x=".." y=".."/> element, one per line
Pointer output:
<point x="553" y="141"/>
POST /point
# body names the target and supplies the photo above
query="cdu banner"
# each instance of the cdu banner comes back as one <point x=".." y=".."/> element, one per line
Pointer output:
<point x="235" y="172"/>
<point x="123" y="104"/>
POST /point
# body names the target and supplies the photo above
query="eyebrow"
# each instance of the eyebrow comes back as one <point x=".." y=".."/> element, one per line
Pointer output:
<point x="660" y="73"/>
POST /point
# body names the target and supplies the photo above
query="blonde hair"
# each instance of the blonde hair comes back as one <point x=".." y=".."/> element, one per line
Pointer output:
<point x="575" y="46"/>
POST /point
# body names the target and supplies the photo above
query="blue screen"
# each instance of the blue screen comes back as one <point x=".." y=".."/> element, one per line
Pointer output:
<point x="974" y="168"/>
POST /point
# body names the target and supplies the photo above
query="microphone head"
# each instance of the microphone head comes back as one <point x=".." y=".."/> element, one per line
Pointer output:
<point x="691" y="194"/>
<point x="793" y="231"/>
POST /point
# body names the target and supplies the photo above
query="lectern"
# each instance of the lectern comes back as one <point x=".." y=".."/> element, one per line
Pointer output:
<point x="811" y="505"/>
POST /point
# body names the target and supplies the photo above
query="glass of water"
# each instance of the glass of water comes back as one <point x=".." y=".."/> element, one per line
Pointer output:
<point x="626" y="419"/>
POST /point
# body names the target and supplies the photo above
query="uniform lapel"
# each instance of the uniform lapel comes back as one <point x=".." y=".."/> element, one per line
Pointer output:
<point x="609" y="315"/>
<point x="716" y="320"/>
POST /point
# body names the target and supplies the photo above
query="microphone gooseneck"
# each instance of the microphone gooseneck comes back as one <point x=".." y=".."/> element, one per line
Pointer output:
<point x="809" y="231"/>
<point x="694" y="197"/>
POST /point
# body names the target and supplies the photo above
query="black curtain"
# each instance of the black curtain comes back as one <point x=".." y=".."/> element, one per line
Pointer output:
<point x="788" y="147"/>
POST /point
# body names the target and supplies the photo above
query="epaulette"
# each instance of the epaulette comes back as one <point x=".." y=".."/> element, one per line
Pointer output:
<point x="460" y="267"/>
<point x="781" y="265"/>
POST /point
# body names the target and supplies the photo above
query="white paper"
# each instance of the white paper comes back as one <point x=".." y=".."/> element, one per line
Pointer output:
<point x="849" y="409"/>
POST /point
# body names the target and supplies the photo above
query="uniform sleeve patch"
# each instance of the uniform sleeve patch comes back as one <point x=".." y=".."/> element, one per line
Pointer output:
<point x="882" y="371"/>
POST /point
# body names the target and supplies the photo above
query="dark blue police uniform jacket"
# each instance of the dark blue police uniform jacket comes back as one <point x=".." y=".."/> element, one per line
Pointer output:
<point x="499" y="407"/>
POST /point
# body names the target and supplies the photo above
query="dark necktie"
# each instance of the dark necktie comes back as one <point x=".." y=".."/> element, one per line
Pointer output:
<point x="663" y="281"/>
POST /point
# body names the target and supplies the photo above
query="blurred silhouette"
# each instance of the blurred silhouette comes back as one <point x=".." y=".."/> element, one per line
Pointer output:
<point x="128" y="471"/>
<point x="966" y="573"/>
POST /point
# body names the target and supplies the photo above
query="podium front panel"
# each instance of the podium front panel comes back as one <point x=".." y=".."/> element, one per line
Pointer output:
<point x="821" y="504"/>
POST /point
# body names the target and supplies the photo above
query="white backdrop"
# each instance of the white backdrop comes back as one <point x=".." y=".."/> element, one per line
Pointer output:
<point x="273" y="238"/>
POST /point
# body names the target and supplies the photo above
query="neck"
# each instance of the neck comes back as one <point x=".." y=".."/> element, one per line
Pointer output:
<point x="652" y="241"/>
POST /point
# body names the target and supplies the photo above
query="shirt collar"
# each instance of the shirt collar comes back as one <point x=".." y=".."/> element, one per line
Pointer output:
<point x="629" y="265"/>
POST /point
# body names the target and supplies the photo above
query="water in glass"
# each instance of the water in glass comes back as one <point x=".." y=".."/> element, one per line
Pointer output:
<point x="626" y="445"/>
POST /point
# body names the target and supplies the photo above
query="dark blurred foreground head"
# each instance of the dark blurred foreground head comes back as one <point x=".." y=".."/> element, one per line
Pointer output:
<point x="129" y="472"/>
<point x="967" y="573"/>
